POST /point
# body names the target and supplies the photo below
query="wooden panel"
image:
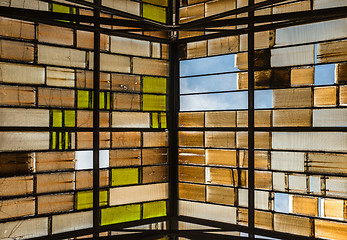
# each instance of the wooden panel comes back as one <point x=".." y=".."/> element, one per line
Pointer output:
<point x="130" y="120"/>
<point x="197" y="49"/>
<point x="341" y="73"/>
<point x="85" y="140"/>
<point x="191" y="13"/>
<point x="343" y="95"/>
<point x="13" y="186"/>
<point x="221" y="195"/>
<point x="57" y="35"/>
<point x="85" y="119"/>
<point x="21" y="51"/>
<point x="154" y="156"/>
<point x="25" y="141"/>
<point x="12" y="95"/>
<point x="220" y="119"/>
<point x="126" y="139"/>
<point x="16" y="164"/>
<point x="123" y="101"/>
<point x="55" y="97"/>
<point x="221" y="157"/>
<point x="51" y="161"/>
<point x="262" y="79"/>
<point x="61" y="56"/>
<point x="55" y="203"/>
<point x="17" y="207"/>
<point x="292" y="118"/>
<point x="261" y="159"/>
<point x="126" y="83"/>
<point x="130" y="46"/>
<point x="191" y="139"/>
<point x="223" y="176"/>
<point x="332" y="52"/>
<point x="125" y="157"/>
<point x="261" y="118"/>
<point x="20" y="73"/>
<point x="154" y="174"/>
<point x="86" y="40"/>
<point x="195" y="156"/>
<point x="17" y="29"/>
<point x="192" y="192"/>
<point x="330" y="230"/>
<point x="327" y="163"/>
<point x="150" y="67"/>
<point x="191" y="174"/>
<point x="262" y="140"/>
<point x="216" y="7"/>
<point x="293" y="224"/>
<point x="333" y="208"/>
<point x="191" y="119"/>
<point x="305" y="205"/>
<point x="302" y="76"/>
<point x="111" y="62"/>
<point x="84" y="79"/>
<point x="155" y="139"/>
<point x="220" y="139"/>
<point x="84" y="179"/>
<point x="223" y="45"/>
<point x="325" y="96"/>
<point x="263" y="180"/>
<point x="55" y="182"/>
<point x="292" y="98"/>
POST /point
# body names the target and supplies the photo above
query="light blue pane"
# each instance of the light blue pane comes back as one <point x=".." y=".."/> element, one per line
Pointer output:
<point x="215" y="101"/>
<point x="219" y="64"/>
<point x="223" y="82"/>
<point x="324" y="74"/>
<point x="282" y="202"/>
<point x="263" y="99"/>
<point x="263" y="237"/>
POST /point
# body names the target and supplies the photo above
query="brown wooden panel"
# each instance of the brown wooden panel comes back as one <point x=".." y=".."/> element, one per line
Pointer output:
<point x="17" y="29"/>
<point x="53" y="34"/>
<point x="191" y="139"/>
<point x="220" y="119"/>
<point x="126" y="139"/>
<point x="292" y="118"/>
<point x="262" y="118"/>
<point x="86" y="40"/>
<point x="17" y="207"/>
<point x="341" y="73"/>
<point x="197" y="49"/>
<point x="332" y="52"/>
<point x="85" y="119"/>
<point x="13" y="186"/>
<point x="154" y="156"/>
<point x="125" y="157"/>
<point x="263" y="180"/>
<point x="13" y="95"/>
<point x="330" y="230"/>
<point x="51" y="161"/>
<point x="334" y="208"/>
<point x="123" y="101"/>
<point x="121" y="82"/>
<point x="343" y="95"/>
<point x="84" y="79"/>
<point x="155" y="139"/>
<point x="325" y="96"/>
<point x="55" y="203"/>
<point x="292" y="98"/>
<point x="293" y="224"/>
<point x="192" y="192"/>
<point x="221" y="157"/>
<point x="194" y="156"/>
<point x="85" y="140"/>
<point x="191" y="119"/>
<point x="305" y="205"/>
<point x="261" y="159"/>
<point x="191" y="174"/>
<point x="16" y="163"/>
<point x="220" y="139"/>
<point x="55" y="97"/>
<point x="223" y="176"/>
<point x="13" y="50"/>
<point x="55" y="182"/>
<point x="84" y="179"/>
<point x="327" y="163"/>
<point x="154" y="174"/>
<point x="221" y="195"/>
<point x="302" y="76"/>
<point x="262" y="140"/>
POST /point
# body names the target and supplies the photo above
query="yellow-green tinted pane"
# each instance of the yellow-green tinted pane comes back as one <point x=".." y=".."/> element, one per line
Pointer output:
<point x="154" y="85"/>
<point x="163" y="123"/>
<point x="120" y="214"/>
<point x="154" y="13"/>
<point x="125" y="176"/>
<point x="163" y="3"/>
<point x="69" y="118"/>
<point x="155" y="120"/>
<point x="57" y="118"/>
<point x="60" y="8"/>
<point x="60" y="141"/>
<point x="54" y="140"/>
<point x="154" y="209"/>
<point x="102" y="100"/>
<point x="83" y="99"/>
<point x="108" y="100"/>
<point x="154" y="102"/>
<point x="84" y="200"/>
<point x="67" y="140"/>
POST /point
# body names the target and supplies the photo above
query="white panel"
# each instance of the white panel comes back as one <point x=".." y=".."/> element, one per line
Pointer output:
<point x="288" y="161"/>
<point x="311" y="33"/>
<point x="292" y="56"/>
<point x="11" y="141"/>
<point x="325" y="141"/>
<point x="261" y="199"/>
<point x="130" y="46"/>
<point x="67" y="57"/>
<point x="330" y="117"/>
<point x="297" y="182"/>
<point x="243" y="197"/>
<point x="72" y="222"/>
<point x="32" y="4"/>
<point x="111" y="62"/>
<point x="19" y="73"/>
<point x="279" y="181"/>
<point x="14" y="117"/>
<point x="336" y="186"/>
<point x="319" y="4"/>
<point x="208" y="211"/>
<point x="84" y="159"/>
<point x="24" y="229"/>
<point x="315" y="184"/>
<point x="141" y="193"/>
<point x="130" y="120"/>
<point x="123" y="5"/>
<point x="61" y="77"/>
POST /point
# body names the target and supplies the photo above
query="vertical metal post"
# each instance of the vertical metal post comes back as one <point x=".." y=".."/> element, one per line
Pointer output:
<point x="96" y="126"/>
<point x="251" y="123"/>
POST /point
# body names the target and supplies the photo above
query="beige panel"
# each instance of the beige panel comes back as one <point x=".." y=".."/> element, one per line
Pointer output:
<point x="330" y="230"/>
<point x="288" y="161"/>
<point x="261" y="118"/>
<point x="327" y="163"/>
<point x="81" y="220"/>
<point x="302" y="76"/>
<point x="293" y="56"/>
<point x="195" y="156"/>
<point x="150" y="67"/>
<point x="56" y="97"/>
<point x="193" y="119"/>
<point x="84" y="179"/>
<point x="221" y="157"/>
<point x="126" y="139"/>
<point x="34" y="227"/>
<point x="122" y="82"/>
<point x="21" y="51"/>
<point x="332" y="51"/>
<point x="85" y="119"/>
<point x="55" y="203"/>
<point x="13" y="186"/>
<point x="123" y="5"/>
<point x="279" y="181"/>
<point x="330" y="117"/>
<point x="297" y="183"/>
<point x="343" y="95"/>
<point x="261" y="159"/>
<point x="86" y="40"/>
<point x="134" y="194"/>
<point x="325" y="96"/>
<point x="221" y="195"/>
<point x="111" y="62"/>
<point x="130" y="46"/>
<point x="262" y="219"/>
<point x="336" y="186"/>
<point x="191" y="13"/>
<point x="196" y="49"/>
<point x="261" y="40"/>
<point x="305" y="205"/>
<point x="53" y="34"/>
<point x="123" y="101"/>
<point x="220" y="139"/>
<point x="223" y="45"/>
<point x="125" y="157"/>
<point x="61" y="77"/>
<point x="17" y="29"/>
<point x="191" y="174"/>
<point x="33" y="4"/>
<point x="85" y="140"/>
<point x="20" y="73"/>
<point x="156" y="50"/>
<point x="292" y="98"/>
<point x="17" y="207"/>
<point x="16" y="141"/>
<point x="24" y="117"/>
<point x="13" y="95"/>
<point x="292" y="118"/>
<point x="154" y="156"/>
<point x="191" y="139"/>
<point x="155" y="139"/>
<point x="130" y="120"/>
<point x="293" y="224"/>
<point x="220" y="6"/>
<point x="220" y="119"/>
<point x="262" y="140"/>
<point x="67" y="57"/>
<point x="222" y="176"/>
<point x="84" y="79"/>
<point x="49" y="161"/>
<point x="55" y="182"/>
<point x="192" y="192"/>
<point x="293" y="7"/>
<point x="262" y="79"/>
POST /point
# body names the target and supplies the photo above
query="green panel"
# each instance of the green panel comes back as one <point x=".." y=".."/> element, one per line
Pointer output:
<point x="154" y="209"/>
<point x="57" y="118"/>
<point x="155" y="120"/>
<point x="60" y="141"/>
<point x="120" y="214"/>
<point x="154" y="13"/>
<point x="60" y="8"/>
<point x="125" y="176"/>
<point x="102" y="100"/>
<point x="153" y="102"/>
<point x="163" y="123"/>
<point x="67" y="141"/>
<point x="84" y="200"/>
<point x="54" y="140"/>
<point x="163" y="3"/>
<point x="69" y="118"/>
<point x="108" y="100"/>
<point x="154" y="84"/>
<point x="83" y="99"/>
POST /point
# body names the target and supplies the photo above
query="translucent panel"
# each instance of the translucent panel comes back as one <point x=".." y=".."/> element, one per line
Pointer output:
<point x="261" y="118"/>
<point x="261" y="159"/>
<point x="120" y="214"/>
<point x="221" y="195"/>
<point x="130" y="46"/>
<point x="16" y="141"/>
<point x="293" y="56"/>
<point x="125" y="157"/>
<point x="320" y="4"/>
<point x="84" y="200"/>
<point x="154" y="174"/>
<point x="84" y="79"/>
<point x="84" y="159"/>
<point x="329" y="118"/>
<point x="16" y="28"/>
<point x="292" y="224"/>
<point x="153" y="84"/>
<point x="139" y="193"/>
<point x="111" y="62"/>
<point x="49" y="161"/>
<point x="81" y="220"/>
<point x="155" y="139"/>
<point x="325" y="96"/>
<point x="342" y="97"/>
<point x="153" y="102"/>
<point x="196" y="156"/>
<point x="221" y="157"/>
<point x="305" y="205"/>
<point x="61" y="56"/>
<point x="191" y="174"/>
<point x="18" y="207"/>
<point x="123" y="101"/>
<point x="333" y="208"/>
<point x="122" y="82"/>
<point x="263" y="180"/>
<point x="216" y="101"/>
<point x="213" y="8"/>
<point x="262" y="140"/>
<point x="341" y="72"/>
<point x="223" y="45"/>
<point x="13" y="186"/>
<point x="261" y="60"/>
<point x="55" y="203"/>
<point x="261" y="40"/>
<point x="61" y="77"/>
<point x="29" y="228"/>
<point x="288" y="161"/>
<point x="86" y="40"/>
<point x="15" y="95"/>
<point x="154" y="13"/>
<point x="225" y="63"/>
<point x="297" y="183"/>
<point x="125" y="176"/>
<point x="327" y="163"/>
<point x="123" y="5"/>
<point x="24" y="117"/>
<point x="302" y="76"/>
<point x="56" y="97"/>
<point x="191" y="13"/>
<point x="85" y="140"/>
<point x="85" y="119"/>
<point x="222" y="176"/>
<point x="154" y="156"/>
<point x="154" y="209"/>
<point x="220" y="119"/>
<point x="336" y="186"/>
<point x="192" y="192"/>
<point x="126" y="139"/>
<point x="55" y="182"/>
<point x="292" y="98"/>
<point x="332" y="52"/>
<point x="150" y="66"/>
<point x="279" y="181"/>
<point x="208" y="211"/>
<point x="261" y="199"/>
<point x="20" y="73"/>
<point x="130" y="120"/>
<point x="52" y="34"/>
<point x="330" y="230"/>
<point x="191" y="119"/>
<point x="21" y="51"/>
<point x="196" y="49"/>
<point x="84" y="179"/>
<point x="220" y="139"/>
<point x="191" y="139"/>
<point x="292" y="118"/>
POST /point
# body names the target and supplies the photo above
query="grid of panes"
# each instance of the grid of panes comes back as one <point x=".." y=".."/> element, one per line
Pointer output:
<point x="46" y="118"/>
<point x="300" y="119"/>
